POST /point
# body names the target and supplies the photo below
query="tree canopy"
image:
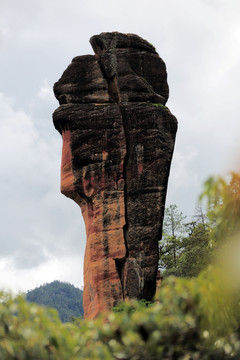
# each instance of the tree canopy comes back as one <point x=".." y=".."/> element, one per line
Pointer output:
<point x="64" y="297"/>
<point x="184" y="249"/>
<point x="223" y="202"/>
<point x="187" y="248"/>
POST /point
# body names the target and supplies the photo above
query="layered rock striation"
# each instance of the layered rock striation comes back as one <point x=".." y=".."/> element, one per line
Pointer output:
<point x="118" y="140"/>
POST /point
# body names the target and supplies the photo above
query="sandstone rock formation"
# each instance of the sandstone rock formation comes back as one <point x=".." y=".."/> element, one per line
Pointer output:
<point x="118" y="140"/>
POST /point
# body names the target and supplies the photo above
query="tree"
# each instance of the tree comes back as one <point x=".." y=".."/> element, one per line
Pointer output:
<point x="185" y="251"/>
<point x="196" y="253"/>
<point x="171" y="245"/>
<point x="199" y="215"/>
<point x="223" y="200"/>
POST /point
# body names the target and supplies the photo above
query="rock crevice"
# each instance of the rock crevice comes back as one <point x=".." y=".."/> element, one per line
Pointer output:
<point x="118" y="140"/>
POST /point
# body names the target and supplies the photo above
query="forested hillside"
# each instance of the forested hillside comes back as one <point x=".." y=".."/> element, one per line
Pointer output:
<point x="64" y="297"/>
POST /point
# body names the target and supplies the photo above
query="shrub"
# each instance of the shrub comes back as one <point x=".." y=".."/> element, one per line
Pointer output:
<point x="191" y="319"/>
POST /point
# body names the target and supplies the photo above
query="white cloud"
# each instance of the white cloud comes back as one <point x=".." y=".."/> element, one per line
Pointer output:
<point x="182" y="174"/>
<point x="67" y="269"/>
<point x="46" y="92"/>
<point x="36" y="227"/>
<point x="4" y="30"/>
<point x="183" y="180"/>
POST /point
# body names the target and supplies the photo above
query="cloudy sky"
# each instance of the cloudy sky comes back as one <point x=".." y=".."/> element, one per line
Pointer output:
<point x="42" y="232"/>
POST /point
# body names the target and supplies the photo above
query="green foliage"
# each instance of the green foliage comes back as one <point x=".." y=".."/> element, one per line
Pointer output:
<point x="173" y="222"/>
<point x="171" y="244"/>
<point x="28" y="331"/>
<point x="223" y="199"/>
<point x="122" y="305"/>
<point x="194" y="318"/>
<point x="64" y="297"/>
<point x="158" y="105"/>
<point x="169" y="256"/>
<point x="196" y="253"/>
<point x="184" y="250"/>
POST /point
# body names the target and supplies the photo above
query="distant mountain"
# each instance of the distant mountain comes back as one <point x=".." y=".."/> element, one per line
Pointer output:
<point x="64" y="297"/>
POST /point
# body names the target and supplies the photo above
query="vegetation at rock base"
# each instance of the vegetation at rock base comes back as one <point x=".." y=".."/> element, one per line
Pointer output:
<point x="62" y="296"/>
<point x="194" y="318"/>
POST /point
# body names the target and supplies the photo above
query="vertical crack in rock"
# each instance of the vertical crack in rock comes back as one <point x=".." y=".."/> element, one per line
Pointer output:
<point x="126" y="225"/>
<point x="118" y="140"/>
<point x="105" y="52"/>
<point x="120" y="263"/>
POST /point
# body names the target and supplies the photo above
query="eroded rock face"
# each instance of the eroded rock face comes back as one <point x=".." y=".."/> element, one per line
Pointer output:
<point x="118" y="140"/>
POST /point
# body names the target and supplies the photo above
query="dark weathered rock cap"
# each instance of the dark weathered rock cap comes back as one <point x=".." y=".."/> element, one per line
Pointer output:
<point x="115" y="40"/>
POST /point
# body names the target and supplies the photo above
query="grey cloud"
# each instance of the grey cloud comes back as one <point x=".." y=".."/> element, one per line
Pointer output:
<point x="33" y="211"/>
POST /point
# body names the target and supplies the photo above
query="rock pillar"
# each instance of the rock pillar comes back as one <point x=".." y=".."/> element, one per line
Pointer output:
<point x="118" y="140"/>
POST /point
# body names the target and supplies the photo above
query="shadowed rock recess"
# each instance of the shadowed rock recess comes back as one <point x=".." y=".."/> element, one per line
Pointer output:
<point x="118" y="140"/>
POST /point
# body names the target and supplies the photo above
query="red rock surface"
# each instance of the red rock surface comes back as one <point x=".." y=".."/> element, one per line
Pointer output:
<point x="118" y="140"/>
